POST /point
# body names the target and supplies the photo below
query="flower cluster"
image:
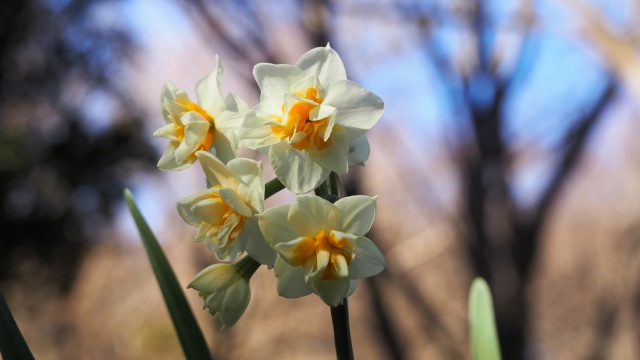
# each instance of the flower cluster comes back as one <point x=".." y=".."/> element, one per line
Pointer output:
<point x="311" y="121"/>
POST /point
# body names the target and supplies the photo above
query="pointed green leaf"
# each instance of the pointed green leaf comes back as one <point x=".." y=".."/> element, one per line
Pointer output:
<point x="12" y="344"/>
<point x="482" y="324"/>
<point x="189" y="333"/>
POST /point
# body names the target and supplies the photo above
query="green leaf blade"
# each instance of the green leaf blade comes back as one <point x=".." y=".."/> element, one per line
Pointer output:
<point x="12" y="344"/>
<point x="191" y="339"/>
<point x="482" y="324"/>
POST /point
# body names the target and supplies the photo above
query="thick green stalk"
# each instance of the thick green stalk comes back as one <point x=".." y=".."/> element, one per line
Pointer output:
<point x="341" y="332"/>
<point x="340" y="313"/>
<point x="322" y="190"/>
<point x="272" y="187"/>
<point x="335" y="183"/>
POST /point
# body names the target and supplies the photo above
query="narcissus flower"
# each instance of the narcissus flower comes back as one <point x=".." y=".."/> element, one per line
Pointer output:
<point x="209" y="125"/>
<point x="225" y="212"/>
<point x="225" y="289"/>
<point x="321" y="246"/>
<point x="311" y="119"/>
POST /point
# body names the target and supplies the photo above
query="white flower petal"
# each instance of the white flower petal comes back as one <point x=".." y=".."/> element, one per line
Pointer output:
<point x="173" y="111"/>
<point x="310" y="215"/>
<point x="291" y="282"/>
<point x="274" y="225"/>
<point x="352" y="288"/>
<point x="274" y="81"/>
<point x="357" y="214"/>
<point x="332" y="292"/>
<point x="184" y="151"/>
<point x="233" y="103"/>
<point x="257" y="246"/>
<point x="195" y="131"/>
<point x="325" y="63"/>
<point x="208" y="91"/>
<point x="205" y="232"/>
<point x="216" y="171"/>
<point x="358" y="150"/>
<point x="295" y="169"/>
<point x="225" y="149"/>
<point x="334" y="157"/>
<point x="358" y="108"/>
<point x="368" y="260"/>
<point x="254" y="134"/>
<point x="168" y="159"/>
<point x="210" y="210"/>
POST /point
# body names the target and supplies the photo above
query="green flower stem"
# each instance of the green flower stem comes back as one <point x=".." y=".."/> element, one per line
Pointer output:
<point x="341" y="332"/>
<point x="322" y="190"/>
<point x="272" y="187"/>
<point x="340" y="313"/>
<point x="335" y="183"/>
<point x="247" y="266"/>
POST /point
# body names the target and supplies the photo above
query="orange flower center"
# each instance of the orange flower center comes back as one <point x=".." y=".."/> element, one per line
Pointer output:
<point x="205" y="145"/>
<point x="228" y="212"/>
<point x="305" y="253"/>
<point x="297" y="121"/>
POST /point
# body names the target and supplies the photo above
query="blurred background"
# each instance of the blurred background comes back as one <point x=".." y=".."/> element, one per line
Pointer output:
<point x="508" y="150"/>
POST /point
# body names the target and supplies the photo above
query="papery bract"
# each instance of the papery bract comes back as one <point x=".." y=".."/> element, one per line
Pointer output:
<point x="225" y="212"/>
<point x="209" y="125"/>
<point x="321" y="246"/>
<point x="311" y="119"/>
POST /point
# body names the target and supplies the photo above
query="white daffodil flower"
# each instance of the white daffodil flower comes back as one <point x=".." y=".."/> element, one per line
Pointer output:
<point x="311" y="119"/>
<point x="321" y="246"/>
<point x="225" y="213"/>
<point x="225" y="289"/>
<point x="209" y="125"/>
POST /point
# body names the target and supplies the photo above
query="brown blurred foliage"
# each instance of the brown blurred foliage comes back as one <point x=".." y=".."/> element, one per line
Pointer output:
<point x="562" y="267"/>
